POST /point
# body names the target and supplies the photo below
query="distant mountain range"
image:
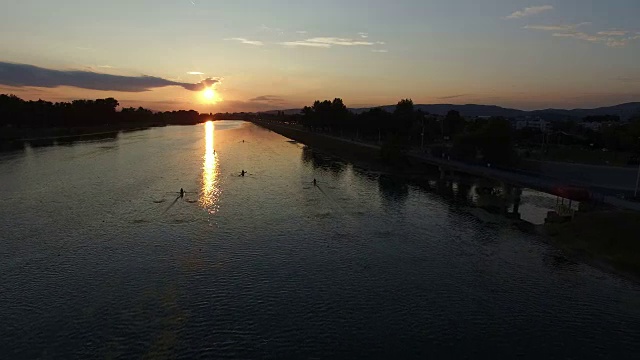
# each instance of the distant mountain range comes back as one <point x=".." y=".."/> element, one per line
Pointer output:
<point x="625" y="111"/>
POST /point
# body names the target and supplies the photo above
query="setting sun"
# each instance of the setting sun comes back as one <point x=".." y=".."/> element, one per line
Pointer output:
<point x="209" y="95"/>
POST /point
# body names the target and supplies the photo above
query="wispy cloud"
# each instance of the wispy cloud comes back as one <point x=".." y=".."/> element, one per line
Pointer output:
<point x="268" y="29"/>
<point x="564" y="27"/>
<point x="327" y="42"/>
<point x="611" y="38"/>
<point x="380" y="51"/>
<point x="98" y="67"/>
<point x="529" y="11"/>
<point x="301" y="32"/>
<point x="195" y="73"/>
<point x="453" y="96"/>
<point x="20" y="75"/>
<point x="363" y="35"/>
<point x="606" y="40"/>
<point x="268" y="99"/>
<point x="613" y="33"/>
<point x="247" y="41"/>
<point x="305" y="43"/>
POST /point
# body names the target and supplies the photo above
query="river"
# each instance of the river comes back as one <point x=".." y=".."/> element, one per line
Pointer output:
<point x="101" y="258"/>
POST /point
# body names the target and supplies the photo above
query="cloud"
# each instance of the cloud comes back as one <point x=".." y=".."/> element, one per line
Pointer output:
<point x="302" y="32"/>
<point x="610" y="38"/>
<point x="267" y="98"/>
<point x="327" y="42"/>
<point x="616" y="43"/>
<point x="380" y="51"/>
<point x="579" y="36"/>
<point x="264" y="28"/>
<point x="598" y="38"/>
<point x="363" y="35"/>
<point x="453" y="96"/>
<point x="304" y="43"/>
<point x="195" y="73"/>
<point x="530" y="11"/>
<point x="246" y="41"/>
<point x="20" y="75"/>
<point x="567" y="27"/>
<point x="613" y="33"/>
<point x="98" y="67"/>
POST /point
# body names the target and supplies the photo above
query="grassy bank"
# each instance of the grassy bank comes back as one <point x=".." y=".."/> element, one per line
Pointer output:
<point x="364" y="155"/>
<point x="354" y="152"/>
<point x="612" y="237"/>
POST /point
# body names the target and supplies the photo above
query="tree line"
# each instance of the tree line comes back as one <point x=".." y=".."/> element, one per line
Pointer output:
<point x="18" y="113"/>
<point x="482" y="139"/>
<point x="406" y="127"/>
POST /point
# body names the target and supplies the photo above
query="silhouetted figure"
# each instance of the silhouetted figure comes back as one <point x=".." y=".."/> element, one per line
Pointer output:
<point x="242" y="173"/>
<point x="242" y="140"/>
<point x="314" y="182"/>
<point x="181" y="192"/>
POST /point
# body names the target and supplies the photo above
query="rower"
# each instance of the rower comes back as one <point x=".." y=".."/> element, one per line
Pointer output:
<point x="242" y="173"/>
<point x="181" y="192"/>
<point x="314" y="182"/>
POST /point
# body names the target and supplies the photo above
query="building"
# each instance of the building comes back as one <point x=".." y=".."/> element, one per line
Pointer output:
<point x="595" y="126"/>
<point x="531" y="122"/>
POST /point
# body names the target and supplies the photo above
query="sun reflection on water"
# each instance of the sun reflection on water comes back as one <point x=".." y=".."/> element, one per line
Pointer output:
<point x="210" y="190"/>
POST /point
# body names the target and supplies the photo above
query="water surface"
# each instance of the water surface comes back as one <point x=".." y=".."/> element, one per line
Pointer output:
<point x="101" y="258"/>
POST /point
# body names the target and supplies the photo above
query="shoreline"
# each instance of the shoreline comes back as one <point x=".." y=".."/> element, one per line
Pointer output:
<point x="564" y="237"/>
<point x="19" y="138"/>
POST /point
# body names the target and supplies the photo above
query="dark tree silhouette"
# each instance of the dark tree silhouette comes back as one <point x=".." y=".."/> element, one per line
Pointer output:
<point x="453" y="124"/>
<point x="22" y="118"/>
<point x="493" y="142"/>
<point x="404" y="115"/>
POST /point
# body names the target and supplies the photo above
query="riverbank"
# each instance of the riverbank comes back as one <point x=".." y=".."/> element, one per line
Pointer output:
<point x="607" y="239"/>
<point x="366" y="155"/>
<point x="18" y="138"/>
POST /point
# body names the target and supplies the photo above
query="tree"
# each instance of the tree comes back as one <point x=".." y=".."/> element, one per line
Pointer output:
<point x="325" y="114"/>
<point x="404" y="116"/>
<point x="453" y="124"/>
<point x="494" y="142"/>
<point x="16" y="112"/>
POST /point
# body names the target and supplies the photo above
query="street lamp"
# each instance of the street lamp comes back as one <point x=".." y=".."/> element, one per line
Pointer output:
<point x="422" y="135"/>
<point x="635" y="194"/>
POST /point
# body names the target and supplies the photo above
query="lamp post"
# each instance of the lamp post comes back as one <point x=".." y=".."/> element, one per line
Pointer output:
<point x="422" y="135"/>
<point x="635" y="194"/>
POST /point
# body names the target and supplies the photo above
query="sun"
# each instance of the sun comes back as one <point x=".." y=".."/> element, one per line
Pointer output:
<point x="208" y="94"/>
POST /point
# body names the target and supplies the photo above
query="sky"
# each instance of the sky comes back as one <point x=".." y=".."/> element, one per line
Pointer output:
<point x="240" y="55"/>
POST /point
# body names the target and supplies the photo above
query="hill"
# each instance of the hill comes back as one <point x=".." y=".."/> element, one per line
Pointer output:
<point x="625" y="111"/>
